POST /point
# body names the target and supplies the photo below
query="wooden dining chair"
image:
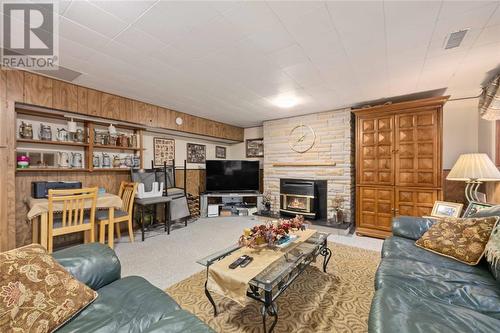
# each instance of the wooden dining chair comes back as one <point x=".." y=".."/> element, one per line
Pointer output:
<point x="67" y="214"/>
<point x="127" y="194"/>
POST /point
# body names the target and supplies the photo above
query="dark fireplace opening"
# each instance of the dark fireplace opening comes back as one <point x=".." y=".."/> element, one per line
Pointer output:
<point x="304" y="197"/>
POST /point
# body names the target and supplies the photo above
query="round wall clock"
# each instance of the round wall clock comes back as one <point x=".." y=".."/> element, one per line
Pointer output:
<point x="301" y="138"/>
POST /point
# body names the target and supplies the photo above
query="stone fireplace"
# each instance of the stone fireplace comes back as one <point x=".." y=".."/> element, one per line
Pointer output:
<point x="330" y="160"/>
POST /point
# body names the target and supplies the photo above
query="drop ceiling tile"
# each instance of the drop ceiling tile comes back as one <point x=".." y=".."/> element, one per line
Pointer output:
<point x="139" y="40"/>
<point x="71" y="48"/>
<point x="85" y="36"/>
<point x="127" y="11"/>
<point x="495" y="18"/>
<point x="489" y="35"/>
<point x="293" y="11"/>
<point x="453" y="9"/>
<point x="271" y="39"/>
<point x="305" y="74"/>
<point x="168" y="20"/>
<point x="94" y="18"/>
<point x="288" y="56"/>
<point x="250" y="17"/>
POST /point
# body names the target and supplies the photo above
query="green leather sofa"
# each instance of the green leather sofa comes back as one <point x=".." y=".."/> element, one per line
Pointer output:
<point x="419" y="291"/>
<point x="129" y="304"/>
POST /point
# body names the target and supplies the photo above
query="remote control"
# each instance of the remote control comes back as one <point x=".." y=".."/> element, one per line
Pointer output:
<point x="238" y="261"/>
<point x="246" y="262"/>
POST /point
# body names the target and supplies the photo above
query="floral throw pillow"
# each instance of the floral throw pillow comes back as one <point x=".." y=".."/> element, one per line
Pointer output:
<point x="461" y="239"/>
<point x="36" y="293"/>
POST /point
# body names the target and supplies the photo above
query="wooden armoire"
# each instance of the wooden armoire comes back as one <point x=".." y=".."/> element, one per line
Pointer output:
<point x="398" y="162"/>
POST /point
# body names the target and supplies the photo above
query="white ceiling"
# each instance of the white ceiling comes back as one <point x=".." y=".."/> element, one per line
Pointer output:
<point x="228" y="60"/>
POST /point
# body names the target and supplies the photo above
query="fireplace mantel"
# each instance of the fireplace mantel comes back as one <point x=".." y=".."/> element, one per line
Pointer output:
<point x="305" y="164"/>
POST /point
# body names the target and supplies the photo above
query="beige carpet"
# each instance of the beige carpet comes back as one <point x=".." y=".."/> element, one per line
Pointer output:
<point x="338" y="301"/>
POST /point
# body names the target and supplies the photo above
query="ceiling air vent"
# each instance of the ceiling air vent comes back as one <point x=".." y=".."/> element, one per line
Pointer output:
<point x="62" y="73"/>
<point x="455" y="39"/>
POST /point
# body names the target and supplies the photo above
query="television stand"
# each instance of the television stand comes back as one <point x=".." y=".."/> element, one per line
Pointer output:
<point x="226" y="195"/>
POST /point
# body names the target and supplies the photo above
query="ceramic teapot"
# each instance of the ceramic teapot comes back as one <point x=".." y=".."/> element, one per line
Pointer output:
<point x="62" y="134"/>
<point x="25" y="131"/>
<point x="45" y="132"/>
<point x="63" y="158"/>
<point x="106" y="160"/>
<point x="76" y="160"/>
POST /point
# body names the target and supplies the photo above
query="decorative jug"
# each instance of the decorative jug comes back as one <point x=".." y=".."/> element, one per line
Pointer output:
<point x="76" y="160"/>
<point x="25" y="131"/>
<point x="63" y="159"/>
<point x="96" y="161"/>
<point x="106" y="160"/>
<point x="128" y="161"/>
<point x="79" y="137"/>
<point x="136" y="161"/>
<point x="45" y="132"/>
<point x="62" y="134"/>
<point x="116" y="161"/>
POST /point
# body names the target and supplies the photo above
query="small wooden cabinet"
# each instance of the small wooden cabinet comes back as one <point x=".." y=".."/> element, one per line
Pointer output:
<point x="398" y="162"/>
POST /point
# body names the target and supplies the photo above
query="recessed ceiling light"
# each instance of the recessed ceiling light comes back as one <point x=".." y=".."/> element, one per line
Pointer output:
<point x="286" y="101"/>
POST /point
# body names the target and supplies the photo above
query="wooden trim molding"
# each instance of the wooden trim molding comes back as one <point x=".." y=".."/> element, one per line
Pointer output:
<point x="497" y="143"/>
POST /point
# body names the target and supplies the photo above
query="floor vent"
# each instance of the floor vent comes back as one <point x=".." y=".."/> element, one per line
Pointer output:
<point x="455" y="39"/>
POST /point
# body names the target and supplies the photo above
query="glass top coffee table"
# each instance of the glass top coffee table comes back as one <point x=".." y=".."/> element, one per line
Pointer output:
<point x="269" y="284"/>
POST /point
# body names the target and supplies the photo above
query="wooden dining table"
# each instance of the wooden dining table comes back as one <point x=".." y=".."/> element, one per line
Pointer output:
<point x="39" y="211"/>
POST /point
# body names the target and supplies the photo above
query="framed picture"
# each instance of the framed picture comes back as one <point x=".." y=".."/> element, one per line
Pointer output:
<point x="446" y="209"/>
<point x="196" y="153"/>
<point x="163" y="151"/>
<point x="220" y="152"/>
<point x="255" y="147"/>
<point x="475" y="207"/>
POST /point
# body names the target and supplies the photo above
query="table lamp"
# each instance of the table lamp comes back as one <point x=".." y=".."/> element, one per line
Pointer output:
<point x="473" y="169"/>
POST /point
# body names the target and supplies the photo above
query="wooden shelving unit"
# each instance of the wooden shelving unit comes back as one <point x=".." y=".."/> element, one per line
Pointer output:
<point x="89" y="148"/>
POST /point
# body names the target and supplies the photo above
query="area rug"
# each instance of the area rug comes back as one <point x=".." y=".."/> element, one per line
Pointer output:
<point x="338" y="301"/>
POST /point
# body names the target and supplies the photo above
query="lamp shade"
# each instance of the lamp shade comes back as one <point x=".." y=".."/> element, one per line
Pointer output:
<point x="474" y="167"/>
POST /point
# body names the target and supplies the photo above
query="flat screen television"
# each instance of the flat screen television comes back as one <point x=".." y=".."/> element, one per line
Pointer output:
<point x="232" y="176"/>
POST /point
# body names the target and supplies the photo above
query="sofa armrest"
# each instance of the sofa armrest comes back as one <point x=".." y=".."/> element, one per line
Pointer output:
<point x="94" y="264"/>
<point x="411" y="227"/>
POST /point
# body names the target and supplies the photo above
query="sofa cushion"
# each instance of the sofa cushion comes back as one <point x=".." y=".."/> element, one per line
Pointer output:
<point x="128" y="305"/>
<point x="477" y="290"/>
<point x="94" y="264"/>
<point x="461" y="239"/>
<point x="403" y="248"/>
<point x="36" y="293"/>
<point x="395" y="311"/>
<point x="179" y="321"/>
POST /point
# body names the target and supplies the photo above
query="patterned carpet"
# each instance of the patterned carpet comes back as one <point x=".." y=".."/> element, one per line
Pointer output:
<point x="338" y="301"/>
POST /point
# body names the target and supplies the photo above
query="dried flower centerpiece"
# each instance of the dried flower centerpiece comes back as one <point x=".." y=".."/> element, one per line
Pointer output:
<point x="271" y="234"/>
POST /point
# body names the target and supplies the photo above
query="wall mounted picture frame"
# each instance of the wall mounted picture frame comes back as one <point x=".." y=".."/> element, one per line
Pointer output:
<point x="446" y="209"/>
<point x="163" y="151"/>
<point x="220" y="152"/>
<point x="254" y="148"/>
<point x="196" y="153"/>
<point x="475" y="207"/>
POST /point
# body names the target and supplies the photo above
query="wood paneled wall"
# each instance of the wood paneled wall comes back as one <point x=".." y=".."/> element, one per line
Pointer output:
<point x="30" y="88"/>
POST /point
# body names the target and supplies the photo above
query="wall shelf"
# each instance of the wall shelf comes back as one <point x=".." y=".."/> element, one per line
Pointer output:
<point x="110" y="169"/>
<point x="117" y="147"/>
<point x="58" y="143"/>
<point x="35" y="169"/>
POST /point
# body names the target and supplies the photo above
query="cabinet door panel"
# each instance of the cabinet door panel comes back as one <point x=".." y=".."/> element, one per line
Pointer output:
<point x="94" y="102"/>
<point x="82" y="100"/>
<point x="375" y="207"/>
<point x="415" y="202"/>
<point x="375" y="150"/>
<point x="417" y="149"/>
